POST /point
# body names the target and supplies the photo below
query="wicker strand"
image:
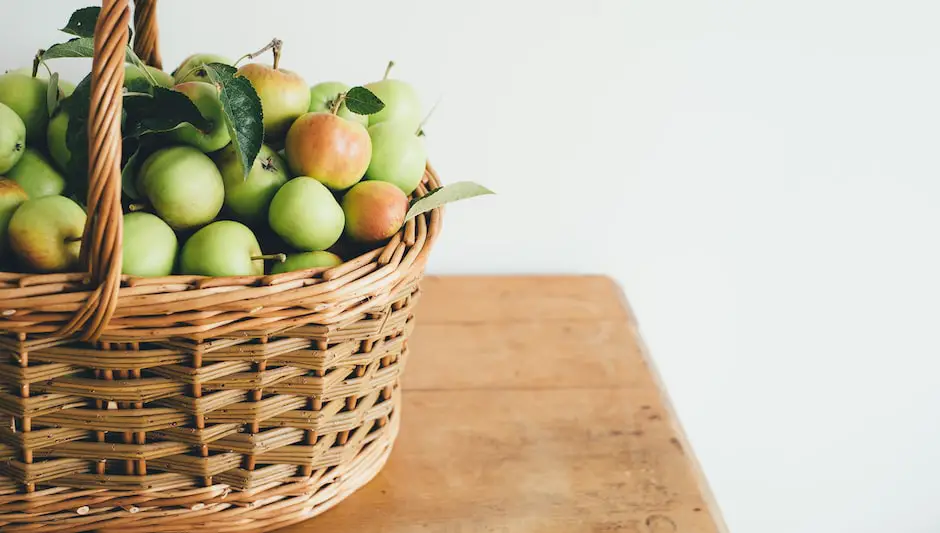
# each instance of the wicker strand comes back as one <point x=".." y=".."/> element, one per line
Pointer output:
<point x="146" y="32"/>
<point x="101" y="239"/>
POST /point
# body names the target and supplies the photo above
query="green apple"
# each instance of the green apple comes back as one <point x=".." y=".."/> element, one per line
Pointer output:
<point x="206" y="98"/>
<point x="374" y="211"/>
<point x="398" y="156"/>
<point x="402" y="103"/>
<point x="56" y="140"/>
<point x="26" y="96"/>
<point x="224" y="248"/>
<point x="36" y="175"/>
<point x="322" y="96"/>
<point x="45" y="234"/>
<point x="248" y="198"/>
<point x="182" y="185"/>
<point x="332" y="150"/>
<point x="189" y="71"/>
<point x="149" y="246"/>
<point x="133" y="72"/>
<point x="306" y="215"/>
<point x="66" y="88"/>
<point x="12" y="138"/>
<point x="11" y="196"/>
<point x="284" y="96"/>
<point x="305" y="260"/>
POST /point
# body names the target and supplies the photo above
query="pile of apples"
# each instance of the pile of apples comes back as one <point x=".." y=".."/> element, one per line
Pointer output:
<point x="326" y="181"/>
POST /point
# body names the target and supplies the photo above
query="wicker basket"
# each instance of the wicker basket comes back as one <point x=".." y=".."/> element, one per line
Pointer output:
<point x="187" y="403"/>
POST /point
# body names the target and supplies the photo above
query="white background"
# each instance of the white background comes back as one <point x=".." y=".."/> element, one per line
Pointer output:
<point x="760" y="176"/>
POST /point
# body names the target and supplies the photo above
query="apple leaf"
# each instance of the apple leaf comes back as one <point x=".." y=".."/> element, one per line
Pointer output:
<point x="85" y="47"/>
<point x="444" y="195"/>
<point x="78" y="47"/>
<point x="82" y="22"/>
<point x="362" y="101"/>
<point x="164" y="110"/>
<point x="52" y="93"/>
<point x="242" y="109"/>
<point x="76" y="137"/>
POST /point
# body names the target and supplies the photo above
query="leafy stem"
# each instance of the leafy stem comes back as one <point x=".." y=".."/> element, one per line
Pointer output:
<point x="280" y="258"/>
<point x="275" y="45"/>
<point x="337" y="103"/>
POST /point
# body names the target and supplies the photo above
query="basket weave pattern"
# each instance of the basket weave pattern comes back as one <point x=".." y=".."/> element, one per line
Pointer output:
<point x="187" y="403"/>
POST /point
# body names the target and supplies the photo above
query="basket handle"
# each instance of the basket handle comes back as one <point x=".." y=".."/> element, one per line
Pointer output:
<point x="103" y="233"/>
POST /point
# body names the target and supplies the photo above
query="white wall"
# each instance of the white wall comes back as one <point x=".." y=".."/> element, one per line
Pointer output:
<point x="761" y="176"/>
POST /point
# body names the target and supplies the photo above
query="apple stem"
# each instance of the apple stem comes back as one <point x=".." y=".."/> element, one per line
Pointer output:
<point x="73" y="239"/>
<point x="36" y="61"/>
<point x="280" y="258"/>
<point x="388" y="69"/>
<point x="337" y="103"/>
<point x="427" y="117"/>
<point x="133" y="208"/>
<point x="274" y="45"/>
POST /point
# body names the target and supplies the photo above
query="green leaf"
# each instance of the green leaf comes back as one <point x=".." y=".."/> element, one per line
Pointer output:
<point x="164" y="110"/>
<point x="129" y="174"/>
<point x="52" y="93"/>
<point x="85" y="47"/>
<point x="242" y="109"/>
<point x="445" y="195"/>
<point x="80" y="47"/>
<point x="362" y="101"/>
<point x="76" y="137"/>
<point x="82" y="22"/>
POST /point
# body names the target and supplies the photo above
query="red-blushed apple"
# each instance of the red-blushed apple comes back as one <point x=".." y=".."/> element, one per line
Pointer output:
<point x="374" y="210"/>
<point x="332" y="150"/>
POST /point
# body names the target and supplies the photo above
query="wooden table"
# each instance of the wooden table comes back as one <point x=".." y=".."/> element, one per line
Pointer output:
<point x="530" y="406"/>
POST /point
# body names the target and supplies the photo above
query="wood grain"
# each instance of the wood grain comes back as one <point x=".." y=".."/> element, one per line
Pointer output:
<point x="530" y="407"/>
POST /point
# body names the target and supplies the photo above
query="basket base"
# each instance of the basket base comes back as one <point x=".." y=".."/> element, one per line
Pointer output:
<point x="287" y="505"/>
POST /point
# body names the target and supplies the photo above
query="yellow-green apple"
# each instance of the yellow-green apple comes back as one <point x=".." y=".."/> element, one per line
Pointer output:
<point x="323" y="95"/>
<point x="26" y="96"/>
<point x="149" y="246"/>
<point x="183" y="186"/>
<point x="11" y="196"/>
<point x="284" y="96"/>
<point x="45" y="234"/>
<point x="56" y="140"/>
<point x="306" y="215"/>
<point x="133" y="72"/>
<point x="398" y="156"/>
<point x="206" y="98"/>
<point x="36" y="175"/>
<point x="223" y="248"/>
<point x="305" y="260"/>
<point x="12" y="138"/>
<point x="248" y="198"/>
<point x="402" y="103"/>
<point x="189" y="69"/>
